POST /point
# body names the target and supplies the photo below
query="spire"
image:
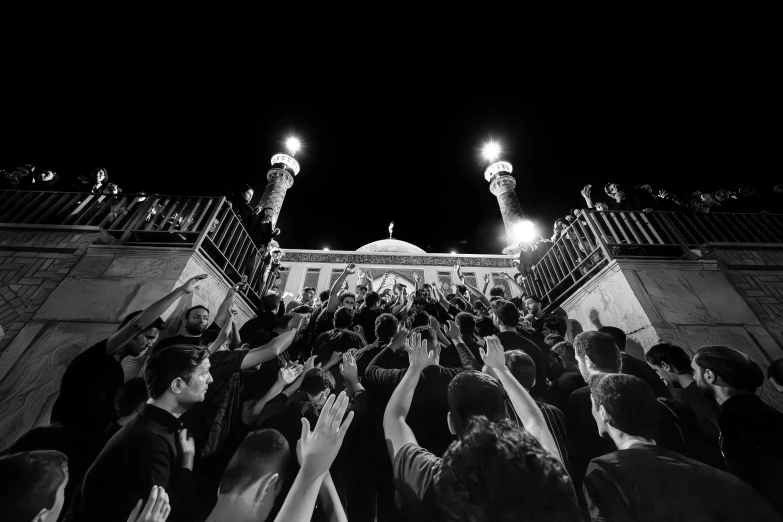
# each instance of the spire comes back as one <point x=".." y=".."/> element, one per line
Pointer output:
<point x="391" y="227"/>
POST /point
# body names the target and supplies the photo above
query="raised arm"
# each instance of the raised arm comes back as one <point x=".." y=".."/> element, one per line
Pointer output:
<point x="285" y="377"/>
<point x="318" y="449"/>
<point x="222" y="337"/>
<point x="586" y="194"/>
<point x="334" y="300"/>
<point x="469" y="362"/>
<point x="487" y="279"/>
<point x="524" y="405"/>
<point x="513" y="282"/>
<point x="223" y="310"/>
<point x="142" y="321"/>
<point x="439" y="296"/>
<point x="475" y="291"/>
<point x="271" y="349"/>
<point x="395" y="428"/>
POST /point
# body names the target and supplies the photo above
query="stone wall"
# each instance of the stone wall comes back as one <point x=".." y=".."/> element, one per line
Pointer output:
<point x="33" y="262"/>
<point x="688" y="303"/>
<point x="87" y="304"/>
<point x="758" y="277"/>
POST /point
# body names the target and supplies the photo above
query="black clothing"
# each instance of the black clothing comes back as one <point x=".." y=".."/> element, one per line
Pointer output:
<point x="751" y="433"/>
<point x="555" y="421"/>
<point x="430" y="399"/>
<point x="258" y="330"/>
<point x="415" y="470"/>
<point x="648" y="483"/>
<point x="366" y="319"/>
<point x="706" y="410"/>
<point x="144" y="453"/>
<point x="633" y="366"/>
<point x="562" y="388"/>
<point x="517" y="341"/>
<point x="87" y="391"/>
<point x="340" y="341"/>
<point x="586" y="444"/>
<point x="365" y="355"/>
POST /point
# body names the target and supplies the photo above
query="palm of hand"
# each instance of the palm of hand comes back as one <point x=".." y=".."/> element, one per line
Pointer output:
<point x="288" y="375"/>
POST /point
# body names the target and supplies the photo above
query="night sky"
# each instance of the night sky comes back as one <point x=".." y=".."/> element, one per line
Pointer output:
<point x="396" y="136"/>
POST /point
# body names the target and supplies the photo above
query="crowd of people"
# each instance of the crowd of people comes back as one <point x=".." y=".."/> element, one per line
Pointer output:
<point x="352" y="405"/>
<point x="26" y="177"/>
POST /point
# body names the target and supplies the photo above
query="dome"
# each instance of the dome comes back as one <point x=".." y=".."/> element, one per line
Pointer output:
<point x="392" y="246"/>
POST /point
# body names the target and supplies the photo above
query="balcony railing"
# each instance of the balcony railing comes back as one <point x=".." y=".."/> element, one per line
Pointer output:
<point x="597" y="237"/>
<point x="205" y="223"/>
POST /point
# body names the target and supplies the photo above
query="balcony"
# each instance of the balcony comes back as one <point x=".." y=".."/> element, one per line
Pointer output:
<point x="204" y="224"/>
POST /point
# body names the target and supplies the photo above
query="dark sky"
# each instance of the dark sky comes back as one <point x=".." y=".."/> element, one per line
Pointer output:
<point x="395" y="135"/>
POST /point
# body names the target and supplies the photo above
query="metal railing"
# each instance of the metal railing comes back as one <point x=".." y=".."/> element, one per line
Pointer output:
<point x="207" y="224"/>
<point x="555" y="270"/>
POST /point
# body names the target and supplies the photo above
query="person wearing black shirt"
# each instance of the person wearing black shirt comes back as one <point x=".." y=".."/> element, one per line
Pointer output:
<point x="384" y="329"/>
<point x="93" y="378"/>
<point x="488" y="459"/>
<point x="597" y="354"/>
<point x="633" y="366"/>
<point x="338" y="340"/>
<point x="150" y="450"/>
<point x="367" y="315"/>
<point x="699" y="414"/>
<point x="195" y="322"/>
<point x="750" y="430"/>
<point x="506" y="317"/>
<point x="642" y="481"/>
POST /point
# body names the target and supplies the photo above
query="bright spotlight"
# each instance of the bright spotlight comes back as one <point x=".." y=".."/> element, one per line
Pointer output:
<point x="491" y="151"/>
<point x="453" y="253"/>
<point x="293" y="145"/>
<point x="524" y="232"/>
<point x="326" y="249"/>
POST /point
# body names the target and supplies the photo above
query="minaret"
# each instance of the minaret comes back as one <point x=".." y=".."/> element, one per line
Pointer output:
<point x="280" y="178"/>
<point x="502" y="185"/>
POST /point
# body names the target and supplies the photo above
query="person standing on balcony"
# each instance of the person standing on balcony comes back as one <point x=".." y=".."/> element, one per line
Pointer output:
<point x="45" y="180"/>
<point x="96" y="182"/>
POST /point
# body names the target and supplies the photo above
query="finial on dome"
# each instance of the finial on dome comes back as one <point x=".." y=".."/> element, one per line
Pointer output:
<point x="391" y="227"/>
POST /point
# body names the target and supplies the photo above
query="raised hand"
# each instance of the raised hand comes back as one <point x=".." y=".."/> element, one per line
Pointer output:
<point x="453" y="333"/>
<point x="310" y="364"/>
<point x="350" y="269"/>
<point x="290" y="372"/>
<point x="486" y="278"/>
<point x="416" y="277"/>
<point x="157" y="508"/>
<point x="191" y="285"/>
<point x="434" y="324"/>
<point x="493" y="356"/>
<point x="334" y="359"/>
<point x="348" y="368"/>
<point x="419" y="357"/>
<point x="586" y="191"/>
<point x="319" y="447"/>
<point x="298" y="321"/>
<point x="398" y="341"/>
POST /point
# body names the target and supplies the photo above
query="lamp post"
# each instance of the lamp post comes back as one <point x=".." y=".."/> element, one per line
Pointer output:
<point x="502" y="185"/>
<point x="279" y="179"/>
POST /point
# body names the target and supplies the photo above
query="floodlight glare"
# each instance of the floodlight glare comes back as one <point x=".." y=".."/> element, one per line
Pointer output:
<point x="293" y="145"/>
<point x="491" y="151"/>
<point x="524" y="232"/>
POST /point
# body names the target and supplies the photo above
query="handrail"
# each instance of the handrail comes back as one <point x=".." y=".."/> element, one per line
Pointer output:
<point x="200" y="223"/>
<point x="555" y="270"/>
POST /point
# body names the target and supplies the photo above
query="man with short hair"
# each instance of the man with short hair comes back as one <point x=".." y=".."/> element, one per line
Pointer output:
<point x="385" y="328"/>
<point x="93" y="378"/>
<point x="32" y="486"/>
<point x="597" y="354"/>
<point x="673" y="365"/>
<point x="340" y="339"/>
<point x="750" y="429"/>
<point x="643" y="481"/>
<point x="336" y="300"/>
<point x="366" y="316"/>
<point x="506" y="318"/>
<point x="253" y="479"/>
<point x="307" y="295"/>
<point x="150" y="450"/>
<point x="432" y="488"/>
<point x="633" y="366"/>
<point x="536" y="312"/>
